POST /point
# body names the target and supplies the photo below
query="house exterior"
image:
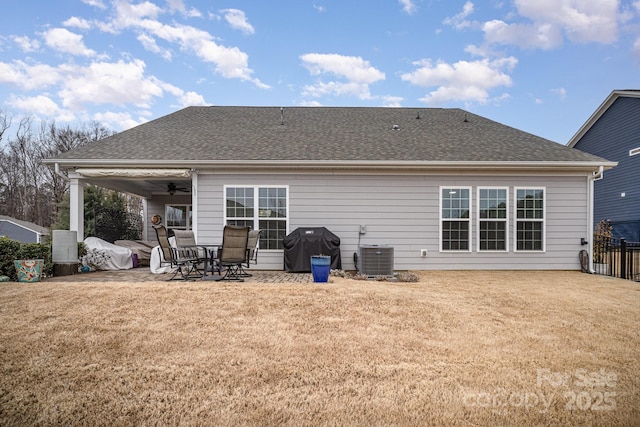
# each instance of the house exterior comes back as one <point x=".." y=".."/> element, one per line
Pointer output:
<point x="21" y="231"/>
<point x="613" y="131"/>
<point x="447" y="189"/>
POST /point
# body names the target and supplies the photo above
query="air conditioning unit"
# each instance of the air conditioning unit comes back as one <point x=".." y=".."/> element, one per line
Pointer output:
<point x="375" y="260"/>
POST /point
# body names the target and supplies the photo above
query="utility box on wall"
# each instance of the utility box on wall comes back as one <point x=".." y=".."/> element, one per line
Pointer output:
<point x="375" y="260"/>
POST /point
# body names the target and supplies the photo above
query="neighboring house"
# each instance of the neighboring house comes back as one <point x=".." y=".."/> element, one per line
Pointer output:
<point x="22" y="231"/>
<point x="613" y="132"/>
<point x="447" y="189"/>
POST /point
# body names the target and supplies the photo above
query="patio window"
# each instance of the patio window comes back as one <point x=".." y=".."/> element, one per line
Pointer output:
<point x="178" y="216"/>
<point x="492" y="219"/>
<point x="257" y="207"/>
<point x="455" y="223"/>
<point x="530" y="219"/>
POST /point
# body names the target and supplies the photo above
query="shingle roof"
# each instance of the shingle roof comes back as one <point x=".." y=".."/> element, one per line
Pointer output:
<point x="326" y="134"/>
<point x="25" y="224"/>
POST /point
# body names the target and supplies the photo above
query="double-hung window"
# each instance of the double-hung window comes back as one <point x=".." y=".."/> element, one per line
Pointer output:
<point x="259" y="207"/>
<point x="492" y="219"/>
<point x="530" y="219"/>
<point x="455" y="222"/>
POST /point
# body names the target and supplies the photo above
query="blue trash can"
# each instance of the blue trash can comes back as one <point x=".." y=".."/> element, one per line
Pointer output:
<point x="320" y="268"/>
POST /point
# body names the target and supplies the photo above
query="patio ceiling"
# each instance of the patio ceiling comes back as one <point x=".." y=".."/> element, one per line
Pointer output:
<point x="142" y="182"/>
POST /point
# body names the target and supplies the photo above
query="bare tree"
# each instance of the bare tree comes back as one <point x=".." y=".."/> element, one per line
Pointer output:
<point x="30" y="190"/>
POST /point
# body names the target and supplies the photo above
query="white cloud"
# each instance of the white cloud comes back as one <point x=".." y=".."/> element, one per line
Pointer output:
<point x="392" y="101"/>
<point x="185" y="99"/>
<point x="149" y="43"/>
<point x="459" y="21"/>
<point x="549" y="21"/>
<point x="95" y="3"/>
<point x="178" y="5"/>
<point x="408" y="6"/>
<point x="357" y="72"/>
<point x="468" y="81"/>
<point x="353" y="68"/>
<point x="237" y="20"/>
<point x="76" y="22"/>
<point x="26" y="44"/>
<point x="64" y="40"/>
<point x="229" y="62"/>
<point x="29" y="77"/>
<point x="115" y="120"/>
<point x="108" y="83"/>
<point x="319" y="8"/>
<point x="38" y="105"/>
<point x="191" y="98"/>
<point x="543" y="36"/>
<point x="561" y="92"/>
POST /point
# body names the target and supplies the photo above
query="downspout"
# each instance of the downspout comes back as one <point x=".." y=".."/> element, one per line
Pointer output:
<point x="59" y="172"/>
<point x="590" y="190"/>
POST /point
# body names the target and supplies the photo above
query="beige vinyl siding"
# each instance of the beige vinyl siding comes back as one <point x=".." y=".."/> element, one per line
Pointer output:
<point x="403" y="211"/>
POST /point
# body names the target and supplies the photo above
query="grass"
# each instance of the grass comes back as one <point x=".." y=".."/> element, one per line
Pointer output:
<point x="456" y="348"/>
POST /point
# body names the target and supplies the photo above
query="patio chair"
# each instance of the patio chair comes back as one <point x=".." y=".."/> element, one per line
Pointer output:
<point x="252" y="252"/>
<point x="233" y="252"/>
<point x="183" y="262"/>
<point x="187" y="247"/>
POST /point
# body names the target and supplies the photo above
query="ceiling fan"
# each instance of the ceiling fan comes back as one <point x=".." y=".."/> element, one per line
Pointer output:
<point x="172" y="188"/>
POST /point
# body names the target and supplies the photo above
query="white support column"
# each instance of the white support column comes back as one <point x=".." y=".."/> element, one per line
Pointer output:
<point x="76" y="207"/>
<point x="194" y="203"/>
<point x="145" y="219"/>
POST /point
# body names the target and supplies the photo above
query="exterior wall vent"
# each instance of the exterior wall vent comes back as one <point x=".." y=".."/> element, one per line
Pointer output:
<point x="634" y="151"/>
<point x="375" y="260"/>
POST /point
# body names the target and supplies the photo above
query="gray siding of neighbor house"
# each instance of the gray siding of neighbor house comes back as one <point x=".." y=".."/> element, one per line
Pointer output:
<point x="16" y="232"/>
<point x="402" y="211"/>
<point x="615" y="133"/>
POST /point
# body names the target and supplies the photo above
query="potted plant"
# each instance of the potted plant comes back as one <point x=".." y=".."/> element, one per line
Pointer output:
<point x="320" y="268"/>
<point x="29" y="270"/>
<point x="601" y="242"/>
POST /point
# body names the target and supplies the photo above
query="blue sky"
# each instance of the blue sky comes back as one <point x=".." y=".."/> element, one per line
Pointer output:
<point x="542" y="66"/>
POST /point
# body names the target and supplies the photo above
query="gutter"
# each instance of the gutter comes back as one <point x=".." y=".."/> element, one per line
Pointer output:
<point x="333" y="164"/>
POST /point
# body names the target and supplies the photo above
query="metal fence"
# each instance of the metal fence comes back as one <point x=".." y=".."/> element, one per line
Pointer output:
<point x="616" y="258"/>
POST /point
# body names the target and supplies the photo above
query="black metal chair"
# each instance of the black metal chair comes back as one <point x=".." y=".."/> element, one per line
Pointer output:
<point x="252" y="252"/>
<point x="233" y="252"/>
<point x="183" y="262"/>
<point x="187" y="247"/>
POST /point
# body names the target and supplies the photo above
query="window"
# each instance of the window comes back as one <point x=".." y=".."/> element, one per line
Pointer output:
<point x="634" y="151"/>
<point x="264" y="208"/>
<point x="455" y="214"/>
<point x="492" y="219"/>
<point x="530" y="219"/>
<point x="178" y="216"/>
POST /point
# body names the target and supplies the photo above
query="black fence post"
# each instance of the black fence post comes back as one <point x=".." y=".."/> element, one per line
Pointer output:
<point x="623" y="259"/>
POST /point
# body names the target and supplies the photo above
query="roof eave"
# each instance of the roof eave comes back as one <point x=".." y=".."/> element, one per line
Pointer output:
<point x="337" y="164"/>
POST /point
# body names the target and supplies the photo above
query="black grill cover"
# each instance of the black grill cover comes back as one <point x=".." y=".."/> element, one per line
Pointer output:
<point x="304" y="242"/>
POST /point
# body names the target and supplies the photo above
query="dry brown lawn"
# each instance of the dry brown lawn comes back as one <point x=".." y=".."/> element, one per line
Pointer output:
<point x="457" y="348"/>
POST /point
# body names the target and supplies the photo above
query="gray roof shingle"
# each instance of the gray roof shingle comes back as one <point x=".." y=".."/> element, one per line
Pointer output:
<point x="326" y="134"/>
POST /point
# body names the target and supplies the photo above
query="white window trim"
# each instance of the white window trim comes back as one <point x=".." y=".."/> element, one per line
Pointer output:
<point x="470" y="219"/>
<point x="506" y="220"/>
<point x="256" y="201"/>
<point x="515" y="220"/>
